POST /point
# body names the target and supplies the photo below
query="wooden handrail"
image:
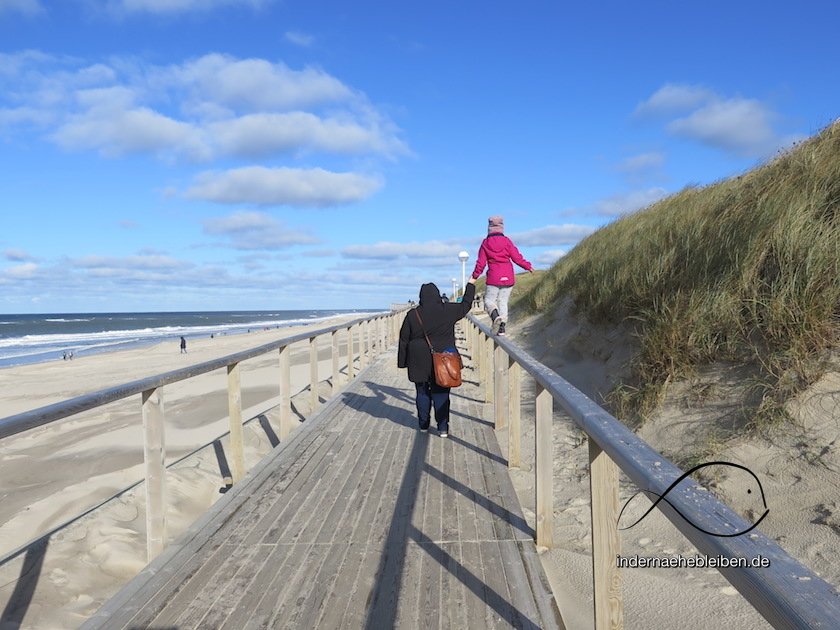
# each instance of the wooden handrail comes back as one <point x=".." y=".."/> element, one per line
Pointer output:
<point x="787" y="594"/>
<point x="151" y="390"/>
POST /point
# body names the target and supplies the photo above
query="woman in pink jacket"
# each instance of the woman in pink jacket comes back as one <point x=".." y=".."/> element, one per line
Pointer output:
<point x="498" y="253"/>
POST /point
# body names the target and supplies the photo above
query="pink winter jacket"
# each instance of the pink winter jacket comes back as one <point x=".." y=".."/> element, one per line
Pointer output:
<point x="496" y="253"/>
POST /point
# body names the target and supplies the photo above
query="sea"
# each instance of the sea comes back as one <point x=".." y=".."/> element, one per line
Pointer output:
<point x="28" y="339"/>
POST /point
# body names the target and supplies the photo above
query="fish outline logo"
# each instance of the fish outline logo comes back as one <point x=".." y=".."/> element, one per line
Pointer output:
<point x="663" y="496"/>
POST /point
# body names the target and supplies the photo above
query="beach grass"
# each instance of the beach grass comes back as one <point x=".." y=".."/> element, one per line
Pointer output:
<point x="743" y="270"/>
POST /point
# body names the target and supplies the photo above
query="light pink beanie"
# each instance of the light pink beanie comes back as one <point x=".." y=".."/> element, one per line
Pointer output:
<point x="496" y="225"/>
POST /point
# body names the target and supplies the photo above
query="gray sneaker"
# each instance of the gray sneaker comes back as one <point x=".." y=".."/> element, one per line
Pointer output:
<point x="501" y="331"/>
<point x="496" y="325"/>
<point x="444" y="434"/>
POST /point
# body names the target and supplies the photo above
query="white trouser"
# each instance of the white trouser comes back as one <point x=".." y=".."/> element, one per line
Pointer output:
<point x="497" y="298"/>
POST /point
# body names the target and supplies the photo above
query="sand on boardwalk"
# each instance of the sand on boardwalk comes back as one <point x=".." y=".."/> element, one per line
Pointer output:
<point x="56" y="472"/>
<point x="799" y="469"/>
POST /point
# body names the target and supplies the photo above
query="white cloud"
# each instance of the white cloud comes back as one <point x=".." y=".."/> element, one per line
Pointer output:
<point x="301" y="39"/>
<point x="17" y="255"/>
<point x="108" y="264"/>
<point x="26" y="270"/>
<point x="260" y="135"/>
<point x="250" y="85"/>
<point x="394" y="251"/>
<point x="743" y="127"/>
<point x="552" y="235"/>
<point x="256" y="231"/>
<point x="624" y="203"/>
<point x="672" y="99"/>
<point x="312" y="188"/>
<point x="548" y="257"/>
<point x="208" y="108"/>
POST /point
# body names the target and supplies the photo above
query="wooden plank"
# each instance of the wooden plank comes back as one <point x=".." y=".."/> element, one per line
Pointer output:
<point x="364" y="505"/>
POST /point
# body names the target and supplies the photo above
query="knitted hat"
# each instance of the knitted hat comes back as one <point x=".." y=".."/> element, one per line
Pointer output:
<point x="495" y="224"/>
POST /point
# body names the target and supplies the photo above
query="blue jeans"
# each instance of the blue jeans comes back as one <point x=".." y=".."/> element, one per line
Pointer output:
<point x="428" y="395"/>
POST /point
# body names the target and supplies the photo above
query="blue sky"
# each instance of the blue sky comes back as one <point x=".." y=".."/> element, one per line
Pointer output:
<point x="264" y="154"/>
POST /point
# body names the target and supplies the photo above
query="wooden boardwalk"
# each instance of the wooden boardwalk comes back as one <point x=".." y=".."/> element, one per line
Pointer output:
<point x="356" y="521"/>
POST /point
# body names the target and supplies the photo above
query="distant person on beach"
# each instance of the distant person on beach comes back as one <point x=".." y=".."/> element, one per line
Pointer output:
<point x="497" y="253"/>
<point x="183" y="346"/>
<point x="413" y="352"/>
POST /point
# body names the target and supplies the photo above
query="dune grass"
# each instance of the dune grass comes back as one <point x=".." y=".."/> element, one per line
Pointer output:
<point x="742" y="270"/>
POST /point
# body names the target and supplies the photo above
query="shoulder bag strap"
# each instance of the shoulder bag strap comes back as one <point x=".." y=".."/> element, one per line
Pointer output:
<point x="417" y="311"/>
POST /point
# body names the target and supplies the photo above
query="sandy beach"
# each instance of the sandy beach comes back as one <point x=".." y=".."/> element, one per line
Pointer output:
<point x="54" y="473"/>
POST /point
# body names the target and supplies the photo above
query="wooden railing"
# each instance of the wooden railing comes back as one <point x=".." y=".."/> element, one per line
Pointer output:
<point x="786" y="593"/>
<point x="365" y="338"/>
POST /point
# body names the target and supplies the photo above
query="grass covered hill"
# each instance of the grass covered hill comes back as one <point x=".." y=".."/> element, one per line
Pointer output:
<point x="744" y="270"/>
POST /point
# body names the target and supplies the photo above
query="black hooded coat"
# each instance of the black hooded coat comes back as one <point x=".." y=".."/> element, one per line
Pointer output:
<point x="439" y="321"/>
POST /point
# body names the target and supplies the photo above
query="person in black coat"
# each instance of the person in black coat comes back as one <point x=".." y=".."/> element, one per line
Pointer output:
<point x="413" y="353"/>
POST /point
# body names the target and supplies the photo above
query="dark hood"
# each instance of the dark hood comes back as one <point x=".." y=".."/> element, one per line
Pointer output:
<point x="429" y="294"/>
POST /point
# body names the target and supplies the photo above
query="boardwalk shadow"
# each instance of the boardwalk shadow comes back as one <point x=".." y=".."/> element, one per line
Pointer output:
<point x="21" y="598"/>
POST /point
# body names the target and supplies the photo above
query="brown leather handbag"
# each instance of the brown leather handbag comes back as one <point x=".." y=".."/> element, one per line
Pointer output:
<point x="447" y="365"/>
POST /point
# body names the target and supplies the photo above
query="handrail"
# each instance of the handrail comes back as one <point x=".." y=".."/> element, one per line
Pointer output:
<point x="34" y="418"/>
<point x="370" y="341"/>
<point x="787" y="594"/>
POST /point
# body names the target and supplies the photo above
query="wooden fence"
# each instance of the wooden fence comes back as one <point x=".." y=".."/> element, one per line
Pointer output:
<point x="786" y="593"/>
<point x="365" y="338"/>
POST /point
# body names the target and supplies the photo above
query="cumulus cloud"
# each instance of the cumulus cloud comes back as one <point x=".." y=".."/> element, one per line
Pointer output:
<point x="261" y="135"/>
<point x="552" y="235"/>
<point x="311" y="188"/>
<point x="548" y="257"/>
<point x="17" y="255"/>
<point x="394" y="251"/>
<point x="107" y="264"/>
<point x="18" y="272"/>
<point x="624" y="203"/>
<point x="675" y="99"/>
<point x="257" y="231"/>
<point x="212" y="107"/>
<point x="743" y="127"/>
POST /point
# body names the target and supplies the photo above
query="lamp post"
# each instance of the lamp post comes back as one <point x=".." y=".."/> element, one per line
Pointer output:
<point x="463" y="257"/>
<point x="454" y="289"/>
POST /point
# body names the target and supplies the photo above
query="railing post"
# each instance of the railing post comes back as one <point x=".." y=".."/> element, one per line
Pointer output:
<point x="235" y="414"/>
<point x="313" y="373"/>
<point x="488" y="369"/>
<point x="606" y="539"/>
<point x="514" y="414"/>
<point x="350" y="358"/>
<point x="334" y="356"/>
<point x="154" y="455"/>
<point x="285" y="393"/>
<point x="500" y="387"/>
<point x="544" y="467"/>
